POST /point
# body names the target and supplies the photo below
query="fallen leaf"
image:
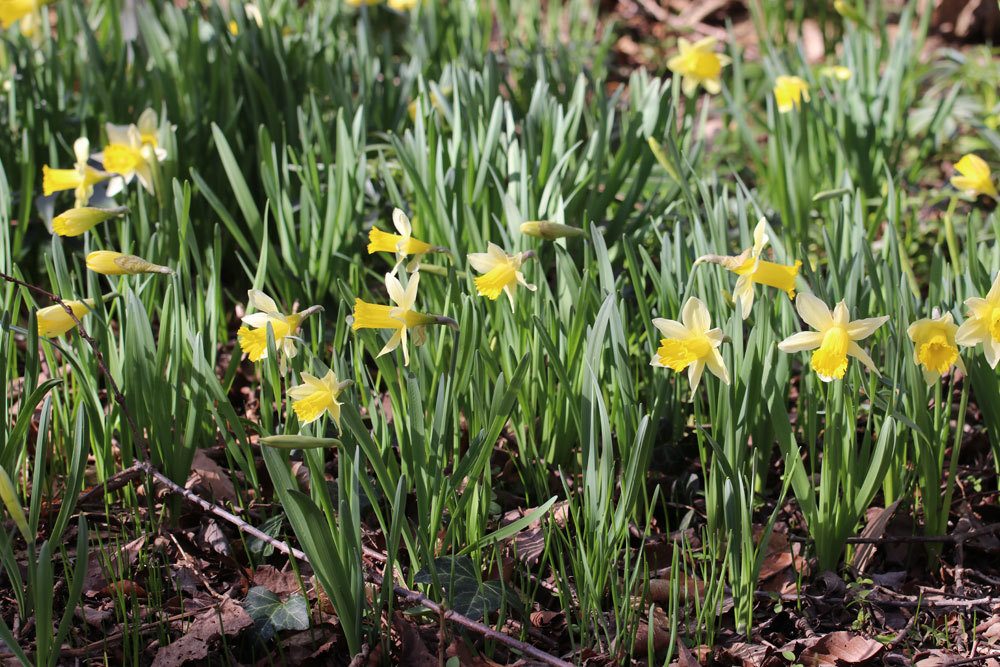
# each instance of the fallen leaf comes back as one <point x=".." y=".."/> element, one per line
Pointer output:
<point x="228" y="618"/>
<point x="413" y="650"/>
<point x="840" y="648"/>
<point x="115" y="566"/>
<point x="208" y="475"/>
<point x="276" y="581"/>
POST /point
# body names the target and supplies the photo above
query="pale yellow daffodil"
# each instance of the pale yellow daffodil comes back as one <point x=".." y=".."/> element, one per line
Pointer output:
<point x="13" y="10"/>
<point x="790" y="92"/>
<point x="401" y="318"/>
<point x="81" y="178"/>
<point x="698" y="64"/>
<point x="691" y="344"/>
<point x="935" y="349"/>
<point x="128" y="156"/>
<point x="838" y="72"/>
<point x="253" y="334"/>
<point x="752" y="270"/>
<point x="974" y="177"/>
<point x="835" y="337"/>
<point x="501" y="272"/>
<point x="316" y="396"/>
<point x="983" y="324"/>
<point x="402" y="244"/>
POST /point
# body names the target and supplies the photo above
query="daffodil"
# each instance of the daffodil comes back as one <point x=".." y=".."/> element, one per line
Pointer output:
<point x="790" y="92"/>
<point x="253" y="334"/>
<point x="77" y="221"/>
<point x="112" y="263"/>
<point x="358" y="3"/>
<point x="316" y="396"/>
<point x="935" y="349"/>
<point x="983" y="324"/>
<point x="403" y="5"/>
<point x="13" y="10"/>
<point x="975" y="178"/>
<point x="752" y="270"/>
<point x="81" y="178"/>
<point x="691" y="343"/>
<point x="698" y="64"/>
<point x="128" y="156"/>
<point x="436" y="102"/>
<point x="148" y="125"/>
<point x="549" y="231"/>
<point x="835" y="337"/>
<point x="55" y="321"/>
<point x="501" y="272"/>
<point x="402" y="244"/>
<point x="838" y="72"/>
<point x="401" y="318"/>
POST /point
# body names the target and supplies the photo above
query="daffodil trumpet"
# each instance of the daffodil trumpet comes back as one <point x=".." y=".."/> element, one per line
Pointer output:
<point x="252" y="336"/>
<point x="691" y="344"/>
<point x="400" y="318"/>
<point x="983" y="324"/>
<point x="935" y="349"/>
<point x="318" y="396"/>
<point x="752" y="270"/>
<point x="57" y="319"/>
<point x="501" y="272"/>
<point x="402" y="244"/>
<point x="835" y="337"/>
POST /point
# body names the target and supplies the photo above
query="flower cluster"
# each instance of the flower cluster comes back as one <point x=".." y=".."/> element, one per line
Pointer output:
<point x="833" y="337"/>
<point x="132" y="152"/>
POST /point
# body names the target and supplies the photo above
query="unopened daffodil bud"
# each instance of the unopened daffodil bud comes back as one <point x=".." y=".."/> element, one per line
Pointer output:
<point x="111" y="263"/>
<point x="549" y="231"/>
<point x="77" y="221"/>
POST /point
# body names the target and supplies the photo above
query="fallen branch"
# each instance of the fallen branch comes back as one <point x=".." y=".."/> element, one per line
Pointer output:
<point x="144" y="468"/>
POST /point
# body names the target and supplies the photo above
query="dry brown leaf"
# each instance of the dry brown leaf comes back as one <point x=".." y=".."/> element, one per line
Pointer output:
<point x="228" y="618"/>
<point x="840" y="648"/>
<point x="413" y="650"/>
<point x="114" y="567"/>
<point x="208" y="475"/>
<point x="280" y="583"/>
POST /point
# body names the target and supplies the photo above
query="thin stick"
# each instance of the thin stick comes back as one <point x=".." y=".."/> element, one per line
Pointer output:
<point x="954" y="538"/>
<point x="140" y="441"/>
<point x="144" y="467"/>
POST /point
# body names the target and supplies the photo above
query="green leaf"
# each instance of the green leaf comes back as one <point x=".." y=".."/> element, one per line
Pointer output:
<point x="270" y="615"/>
<point x="465" y="593"/>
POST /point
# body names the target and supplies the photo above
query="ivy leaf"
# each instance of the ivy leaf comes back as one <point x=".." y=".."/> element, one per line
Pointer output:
<point x="271" y="615"/>
<point x="460" y="580"/>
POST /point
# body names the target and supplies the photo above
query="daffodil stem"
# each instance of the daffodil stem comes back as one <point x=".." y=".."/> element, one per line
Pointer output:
<point x="950" y="239"/>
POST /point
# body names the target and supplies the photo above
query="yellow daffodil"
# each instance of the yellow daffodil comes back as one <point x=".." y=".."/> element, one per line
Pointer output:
<point x="148" y="127"/>
<point x="316" y="396"/>
<point x="81" y="178"/>
<point x="983" y="324"/>
<point x="549" y="231"/>
<point x="403" y="5"/>
<point x="12" y="10"/>
<point x="436" y="102"/>
<point x="838" y="72"/>
<point x="975" y="178"/>
<point x="253" y="334"/>
<point x="935" y="349"/>
<point x="111" y="263"/>
<point x="77" y="221"/>
<point x="691" y="343"/>
<point x="401" y="317"/>
<point x="403" y="243"/>
<point x="234" y="28"/>
<point x="501" y="272"/>
<point x="358" y="3"/>
<point x="752" y="270"/>
<point x="834" y="339"/>
<point x="128" y="156"/>
<point x="790" y="92"/>
<point x="698" y="64"/>
<point x="55" y="321"/>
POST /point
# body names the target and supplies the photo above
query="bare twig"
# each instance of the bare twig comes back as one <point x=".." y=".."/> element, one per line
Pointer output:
<point x="143" y="467"/>
<point x="954" y="538"/>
